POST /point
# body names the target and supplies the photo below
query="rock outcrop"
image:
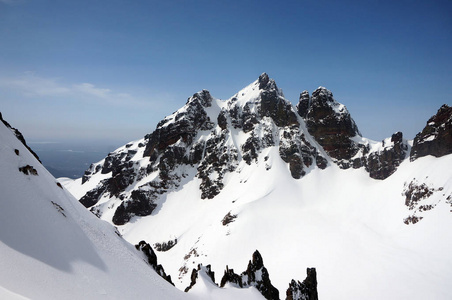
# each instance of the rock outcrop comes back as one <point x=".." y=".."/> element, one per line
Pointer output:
<point x="152" y="260"/>
<point x="255" y="275"/>
<point x="436" y="137"/>
<point x="383" y="163"/>
<point x="330" y="123"/>
<point x="195" y="273"/>
<point x="19" y="136"/>
<point x="306" y="290"/>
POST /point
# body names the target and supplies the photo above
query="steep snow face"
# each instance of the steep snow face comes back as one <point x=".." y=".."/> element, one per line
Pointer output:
<point x="229" y="177"/>
<point x="52" y="248"/>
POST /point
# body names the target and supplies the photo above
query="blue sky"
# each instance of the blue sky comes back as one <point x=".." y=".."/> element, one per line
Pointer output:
<point x="110" y="70"/>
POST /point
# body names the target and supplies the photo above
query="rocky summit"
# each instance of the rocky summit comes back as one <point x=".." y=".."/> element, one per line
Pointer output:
<point x="213" y="137"/>
<point x="207" y="135"/>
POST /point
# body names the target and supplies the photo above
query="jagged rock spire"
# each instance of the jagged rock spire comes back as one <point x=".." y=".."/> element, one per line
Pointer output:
<point x="255" y="275"/>
<point x="306" y="290"/>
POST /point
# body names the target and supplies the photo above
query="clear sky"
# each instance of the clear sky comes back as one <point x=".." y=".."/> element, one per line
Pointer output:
<point x="110" y="70"/>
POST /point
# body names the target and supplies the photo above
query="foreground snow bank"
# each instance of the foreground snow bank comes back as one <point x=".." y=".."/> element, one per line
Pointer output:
<point x="52" y="248"/>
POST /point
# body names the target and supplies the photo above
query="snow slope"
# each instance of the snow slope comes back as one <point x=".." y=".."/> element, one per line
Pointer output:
<point x="347" y="225"/>
<point x="52" y="248"/>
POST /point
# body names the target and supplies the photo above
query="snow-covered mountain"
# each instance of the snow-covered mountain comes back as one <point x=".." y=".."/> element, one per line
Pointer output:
<point x="219" y="179"/>
<point x="51" y="247"/>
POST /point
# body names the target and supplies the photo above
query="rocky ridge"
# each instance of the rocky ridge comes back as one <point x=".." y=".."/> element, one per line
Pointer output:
<point x="330" y="123"/>
<point x="210" y="138"/>
<point x="256" y="275"/>
<point x="19" y="136"/>
<point x="208" y="135"/>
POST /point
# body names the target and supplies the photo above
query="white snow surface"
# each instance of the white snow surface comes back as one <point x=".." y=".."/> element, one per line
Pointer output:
<point x="347" y="225"/>
<point x="51" y="247"/>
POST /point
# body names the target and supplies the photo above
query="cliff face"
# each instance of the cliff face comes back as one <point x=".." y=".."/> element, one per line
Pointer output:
<point x="210" y="136"/>
<point x="331" y="125"/>
<point x="436" y="137"/>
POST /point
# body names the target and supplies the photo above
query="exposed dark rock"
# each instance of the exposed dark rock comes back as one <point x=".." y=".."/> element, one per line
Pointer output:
<point x="382" y="164"/>
<point x="306" y="290"/>
<point x="93" y="196"/>
<point x="250" y="149"/>
<point x="248" y="119"/>
<point x="330" y="124"/>
<point x="184" y="126"/>
<point x="263" y="81"/>
<point x="303" y="104"/>
<point x="222" y="120"/>
<point x="412" y="219"/>
<point x="219" y="158"/>
<point x="231" y="277"/>
<point x="16" y="151"/>
<point x="152" y="260"/>
<point x="255" y="275"/>
<point x="295" y="150"/>
<point x="140" y="204"/>
<point x="19" y="136"/>
<point x="228" y="218"/>
<point x="417" y="199"/>
<point x="332" y="127"/>
<point x="321" y="162"/>
<point x="165" y="246"/>
<point x="276" y="107"/>
<point x="436" y="137"/>
<point x="28" y="170"/>
<point x="194" y="275"/>
<point x="415" y="192"/>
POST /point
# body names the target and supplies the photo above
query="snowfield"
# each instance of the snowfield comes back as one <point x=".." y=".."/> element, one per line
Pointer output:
<point x="342" y="222"/>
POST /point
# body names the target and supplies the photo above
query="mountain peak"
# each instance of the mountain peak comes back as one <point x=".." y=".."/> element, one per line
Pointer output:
<point x="323" y="92"/>
<point x="436" y="137"/>
<point x="203" y="97"/>
<point x="266" y="83"/>
<point x="330" y="123"/>
<point x="263" y="80"/>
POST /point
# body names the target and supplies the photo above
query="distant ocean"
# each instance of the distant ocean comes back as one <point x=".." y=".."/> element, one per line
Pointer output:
<point x="69" y="159"/>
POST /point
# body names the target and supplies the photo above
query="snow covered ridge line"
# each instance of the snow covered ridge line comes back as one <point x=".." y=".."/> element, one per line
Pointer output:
<point x="52" y="248"/>
<point x="210" y="139"/>
<point x="19" y="136"/>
